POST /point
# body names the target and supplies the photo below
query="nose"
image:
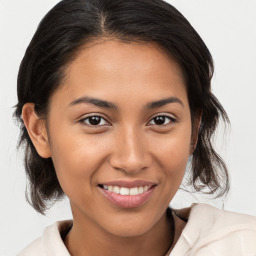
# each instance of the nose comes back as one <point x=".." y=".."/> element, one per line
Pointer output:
<point x="130" y="153"/>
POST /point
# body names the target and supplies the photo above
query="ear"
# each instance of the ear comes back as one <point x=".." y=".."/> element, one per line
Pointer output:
<point x="195" y="130"/>
<point x="36" y="129"/>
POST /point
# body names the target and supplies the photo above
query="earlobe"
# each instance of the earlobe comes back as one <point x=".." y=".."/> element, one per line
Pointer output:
<point x="36" y="129"/>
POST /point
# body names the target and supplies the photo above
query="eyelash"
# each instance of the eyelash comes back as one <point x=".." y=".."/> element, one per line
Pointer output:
<point x="83" y="121"/>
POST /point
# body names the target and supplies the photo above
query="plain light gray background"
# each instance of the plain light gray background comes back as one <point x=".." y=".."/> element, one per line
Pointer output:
<point x="228" y="29"/>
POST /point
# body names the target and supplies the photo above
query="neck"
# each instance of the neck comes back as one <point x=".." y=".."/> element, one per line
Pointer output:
<point x="86" y="239"/>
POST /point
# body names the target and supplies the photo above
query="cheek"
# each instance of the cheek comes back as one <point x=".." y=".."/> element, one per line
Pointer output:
<point x="172" y="153"/>
<point x="174" y="166"/>
<point x="75" y="158"/>
<point x="174" y="149"/>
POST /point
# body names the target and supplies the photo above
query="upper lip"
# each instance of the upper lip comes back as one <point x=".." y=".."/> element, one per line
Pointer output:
<point x="129" y="184"/>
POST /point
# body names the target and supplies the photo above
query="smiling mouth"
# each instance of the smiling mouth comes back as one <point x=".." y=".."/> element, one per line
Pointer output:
<point x="126" y="191"/>
<point x="128" y="195"/>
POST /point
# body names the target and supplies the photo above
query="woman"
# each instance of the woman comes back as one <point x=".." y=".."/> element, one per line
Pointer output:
<point x="114" y="98"/>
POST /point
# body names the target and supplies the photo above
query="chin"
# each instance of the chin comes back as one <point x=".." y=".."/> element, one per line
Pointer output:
<point x="129" y="231"/>
<point x="131" y="226"/>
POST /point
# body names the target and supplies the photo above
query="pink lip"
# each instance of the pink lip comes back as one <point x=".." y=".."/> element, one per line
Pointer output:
<point x="127" y="201"/>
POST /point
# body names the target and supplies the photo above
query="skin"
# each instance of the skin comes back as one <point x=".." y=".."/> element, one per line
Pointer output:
<point x="127" y="145"/>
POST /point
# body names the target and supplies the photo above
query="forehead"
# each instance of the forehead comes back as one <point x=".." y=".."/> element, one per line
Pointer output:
<point x="112" y="68"/>
<point x="112" y="54"/>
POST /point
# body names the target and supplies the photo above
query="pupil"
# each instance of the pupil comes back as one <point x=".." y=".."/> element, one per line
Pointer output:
<point x="159" y="120"/>
<point x="94" y="120"/>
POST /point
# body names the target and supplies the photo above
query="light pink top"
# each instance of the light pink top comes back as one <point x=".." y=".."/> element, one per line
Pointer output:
<point x="208" y="232"/>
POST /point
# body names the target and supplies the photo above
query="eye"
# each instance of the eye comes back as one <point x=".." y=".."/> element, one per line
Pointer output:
<point x="94" y="121"/>
<point x="162" y="120"/>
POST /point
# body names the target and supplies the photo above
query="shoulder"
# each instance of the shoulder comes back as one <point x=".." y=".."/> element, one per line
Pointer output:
<point x="217" y="220"/>
<point x="211" y="231"/>
<point x="50" y="243"/>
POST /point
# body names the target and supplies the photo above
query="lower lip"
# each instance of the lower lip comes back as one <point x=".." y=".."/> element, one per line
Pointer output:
<point x="124" y="201"/>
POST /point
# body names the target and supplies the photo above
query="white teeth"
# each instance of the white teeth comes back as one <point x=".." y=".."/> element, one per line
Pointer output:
<point x="116" y="189"/>
<point x="126" y="191"/>
<point x="140" y="190"/>
<point x="134" y="191"/>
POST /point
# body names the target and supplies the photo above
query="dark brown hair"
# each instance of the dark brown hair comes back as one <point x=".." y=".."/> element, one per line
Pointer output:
<point x="58" y="39"/>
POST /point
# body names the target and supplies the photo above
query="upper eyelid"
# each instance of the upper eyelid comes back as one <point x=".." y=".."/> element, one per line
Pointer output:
<point x="152" y="117"/>
<point x="93" y="114"/>
<point x="164" y="114"/>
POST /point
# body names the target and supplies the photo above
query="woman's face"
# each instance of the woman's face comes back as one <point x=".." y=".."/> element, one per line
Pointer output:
<point x="120" y="135"/>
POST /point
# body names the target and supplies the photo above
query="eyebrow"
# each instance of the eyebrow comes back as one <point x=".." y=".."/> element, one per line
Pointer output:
<point x="94" y="101"/>
<point x="105" y="104"/>
<point x="163" y="102"/>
